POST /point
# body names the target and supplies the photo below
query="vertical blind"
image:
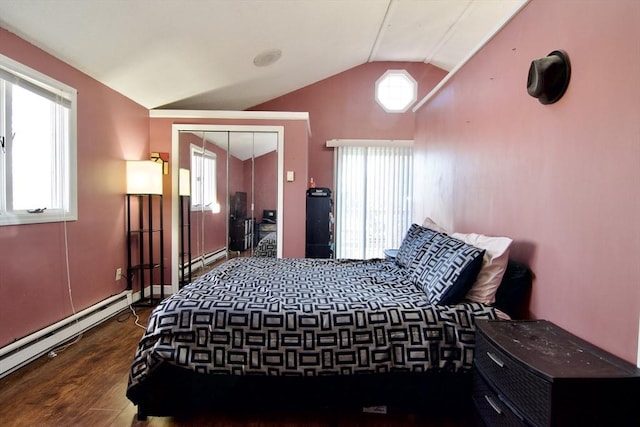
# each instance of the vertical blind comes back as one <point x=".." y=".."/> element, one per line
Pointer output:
<point x="373" y="199"/>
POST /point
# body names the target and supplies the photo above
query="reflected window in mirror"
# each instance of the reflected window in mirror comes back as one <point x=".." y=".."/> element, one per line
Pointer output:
<point x="203" y="180"/>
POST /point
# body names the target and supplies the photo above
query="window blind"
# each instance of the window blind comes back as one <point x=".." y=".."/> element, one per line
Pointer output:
<point x="52" y="94"/>
<point x="373" y="199"/>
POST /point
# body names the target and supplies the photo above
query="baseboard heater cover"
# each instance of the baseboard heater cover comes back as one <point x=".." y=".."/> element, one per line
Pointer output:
<point x="204" y="260"/>
<point x="17" y="354"/>
<point x="214" y="256"/>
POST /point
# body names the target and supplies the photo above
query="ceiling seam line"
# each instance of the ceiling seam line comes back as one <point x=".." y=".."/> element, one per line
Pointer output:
<point x="383" y="25"/>
<point x="447" y="35"/>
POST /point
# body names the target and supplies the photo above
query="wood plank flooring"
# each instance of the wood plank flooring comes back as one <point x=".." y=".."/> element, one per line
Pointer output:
<point x="85" y="385"/>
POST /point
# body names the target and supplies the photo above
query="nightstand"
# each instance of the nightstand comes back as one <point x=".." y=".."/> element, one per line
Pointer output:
<point x="265" y="228"/>
<point x="535" y="373"/>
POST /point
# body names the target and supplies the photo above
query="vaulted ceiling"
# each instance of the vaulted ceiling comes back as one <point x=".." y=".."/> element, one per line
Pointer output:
<point x="199" y="54"/>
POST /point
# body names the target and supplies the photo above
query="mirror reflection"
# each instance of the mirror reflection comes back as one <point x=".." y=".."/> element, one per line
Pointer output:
<point x="233" y="197"/>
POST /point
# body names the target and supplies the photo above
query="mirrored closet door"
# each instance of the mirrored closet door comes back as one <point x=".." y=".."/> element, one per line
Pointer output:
<point x="233" y="196"/>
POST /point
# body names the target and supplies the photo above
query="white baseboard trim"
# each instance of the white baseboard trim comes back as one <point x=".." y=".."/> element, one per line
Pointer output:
<point x="17" y="354"/>
<point x="215" y="256"/>
<point x="137" y="296"/>
<point x="206" y="259"/>
<point x="203" y="261"/>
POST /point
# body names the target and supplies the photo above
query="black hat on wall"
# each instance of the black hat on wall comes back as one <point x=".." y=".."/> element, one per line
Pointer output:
<point x="549" y="77"/>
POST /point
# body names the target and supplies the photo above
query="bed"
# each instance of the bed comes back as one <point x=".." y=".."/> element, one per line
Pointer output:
<point x="263" y="332"/>
<point x="267" y="246"/>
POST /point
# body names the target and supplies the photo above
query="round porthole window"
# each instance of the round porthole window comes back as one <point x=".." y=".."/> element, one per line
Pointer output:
<point x="396" y="91"/>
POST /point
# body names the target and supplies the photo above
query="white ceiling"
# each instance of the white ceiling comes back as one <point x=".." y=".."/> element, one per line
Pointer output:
<point x="198" y="54"/>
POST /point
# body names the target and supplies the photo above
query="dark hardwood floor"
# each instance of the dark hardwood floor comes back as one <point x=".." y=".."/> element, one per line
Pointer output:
<point x="85" y="385"/>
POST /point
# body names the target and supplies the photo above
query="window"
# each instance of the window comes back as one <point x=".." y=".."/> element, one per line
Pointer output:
<point x="203" y="180"/>
<point x="37" y="147"/>
<point x="373" y="199"/>
<point x="396" y="91"/>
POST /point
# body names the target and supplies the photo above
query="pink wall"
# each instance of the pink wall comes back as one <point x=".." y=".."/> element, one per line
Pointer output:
<point x="561" y="179"/>
<point x="344" y="107"/>
<point x="237" y="177"/>
<point x="295" y="159"/>
<point x="265" y="171"/>
<point x="266" y="184"/>
<point x="33" y="280"/>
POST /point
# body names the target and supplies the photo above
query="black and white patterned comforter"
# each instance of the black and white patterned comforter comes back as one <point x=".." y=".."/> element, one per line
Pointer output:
<point x="306" y="317"/>
<point x="267" y="246"/>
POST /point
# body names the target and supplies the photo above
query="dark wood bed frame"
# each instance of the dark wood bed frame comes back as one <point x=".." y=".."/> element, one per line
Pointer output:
<point x="179" y="393"/>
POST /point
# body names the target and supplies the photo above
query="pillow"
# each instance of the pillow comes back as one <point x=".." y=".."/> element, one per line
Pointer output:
<point x="494" y="265"/>
<point x="431" y="224"/>
<point x="447" y="270"/>
<point x="414" y="244"/>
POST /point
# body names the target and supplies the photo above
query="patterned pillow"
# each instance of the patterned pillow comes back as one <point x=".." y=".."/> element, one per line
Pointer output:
<point x="414" y="245"/>
<point x="447" y="270"/>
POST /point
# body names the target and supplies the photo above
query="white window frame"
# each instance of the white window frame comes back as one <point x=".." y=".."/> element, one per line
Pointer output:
<point x="196" y="194"/>
<point x="387" y="91"/>
<point x="352" y="223"/>
<point x="66" y="177"/>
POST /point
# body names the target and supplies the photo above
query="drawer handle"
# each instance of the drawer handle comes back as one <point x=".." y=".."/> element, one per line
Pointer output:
<point x="495" y="359"/>
<point x="511" y="407"/>
<point x="493" y="404"/>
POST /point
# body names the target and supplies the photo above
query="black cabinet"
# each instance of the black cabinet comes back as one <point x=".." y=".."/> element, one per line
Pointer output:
<point x="533" y="373"/>
<point x="241" y="234"/>
<point x="145" y="246"/>
<point x="319" y="225"/>
<point x="241" y="228"/>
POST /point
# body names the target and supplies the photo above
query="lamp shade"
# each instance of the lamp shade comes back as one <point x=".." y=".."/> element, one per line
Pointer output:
<point x="144" y="177"/>
<point x="184" y="182"/>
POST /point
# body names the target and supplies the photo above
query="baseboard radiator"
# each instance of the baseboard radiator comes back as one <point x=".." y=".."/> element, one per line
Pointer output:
<point x="203" y="261"/>
<point x="17" y="354"/>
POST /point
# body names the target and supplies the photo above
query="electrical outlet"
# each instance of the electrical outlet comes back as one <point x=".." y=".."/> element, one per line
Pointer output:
<point x="118" y="273"/>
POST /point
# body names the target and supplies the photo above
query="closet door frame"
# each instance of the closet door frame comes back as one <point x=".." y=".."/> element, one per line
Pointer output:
<point x="175" y="202"/>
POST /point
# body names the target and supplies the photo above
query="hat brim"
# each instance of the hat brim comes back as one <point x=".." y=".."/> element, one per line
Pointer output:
<point x="554" y="93"/>
<point x="553" y="97"/>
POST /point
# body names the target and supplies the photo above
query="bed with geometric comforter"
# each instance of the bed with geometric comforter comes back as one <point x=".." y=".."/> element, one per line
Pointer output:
<point x="268" y="317"/>
<point x="267" y="246"/>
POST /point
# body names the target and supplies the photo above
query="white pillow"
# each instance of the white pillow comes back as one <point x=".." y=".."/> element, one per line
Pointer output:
<point x="494" y="264"/>
<point x="431" y="224"/>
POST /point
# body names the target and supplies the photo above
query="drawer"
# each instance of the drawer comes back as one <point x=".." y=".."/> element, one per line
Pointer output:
<point x="265" y="227"/>
<point x="491" y="408"/>
<point x="528" y="392"/>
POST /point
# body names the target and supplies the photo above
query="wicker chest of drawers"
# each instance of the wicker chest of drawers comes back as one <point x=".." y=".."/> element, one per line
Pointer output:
<point x="265" y="228"/>
<point x="535" y="373"/>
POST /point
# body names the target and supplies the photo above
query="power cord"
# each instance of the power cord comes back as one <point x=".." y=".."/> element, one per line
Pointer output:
<point x="124" y="316"/>
<point x="55" y="351"/>
<point x="137" y="321"/>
